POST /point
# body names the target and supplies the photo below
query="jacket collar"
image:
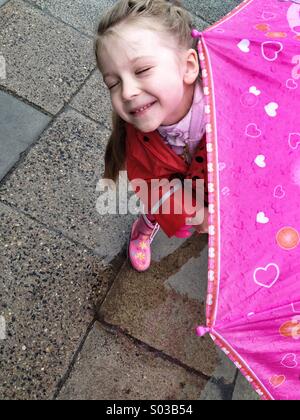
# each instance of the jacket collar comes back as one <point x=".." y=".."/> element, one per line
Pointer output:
<point x="153" y="143"/>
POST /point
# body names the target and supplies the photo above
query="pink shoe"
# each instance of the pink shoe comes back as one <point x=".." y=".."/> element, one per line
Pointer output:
<point x="139" y="249"/>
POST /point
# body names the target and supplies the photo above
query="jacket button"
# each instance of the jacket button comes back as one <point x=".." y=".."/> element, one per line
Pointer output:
<point x="146" y="138"/>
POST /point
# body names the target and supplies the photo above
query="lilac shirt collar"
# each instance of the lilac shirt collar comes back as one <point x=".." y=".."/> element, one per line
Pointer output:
<point x="191" y="128"/>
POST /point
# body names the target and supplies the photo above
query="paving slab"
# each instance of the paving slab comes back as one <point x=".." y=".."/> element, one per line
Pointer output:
<point x="46" y="60"/>
<point x="113" y="366"/>
<point x="48" y="287"/>
<point x="243" y="390"/>
<point x="221" y="385"/>
<point x="152" y="308"/>
<point x="162" y="246"/>
<point x="211" y="11"/>
<point x="191" y="279"/>
<point x="82" y="15"/>
<point x="21" y="126"/>
<point x="56" y="184"/>
<point x="85" y="16"/>
<point x="93" y="100"/>
<point x="2" y="2"/>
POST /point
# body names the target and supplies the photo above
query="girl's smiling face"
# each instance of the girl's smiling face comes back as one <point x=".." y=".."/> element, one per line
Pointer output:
<point x="140" y="67"/>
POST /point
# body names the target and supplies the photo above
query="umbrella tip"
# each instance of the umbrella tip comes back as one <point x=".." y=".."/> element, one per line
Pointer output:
<point x="201" y="330"/>
<point x="196" y="34"/>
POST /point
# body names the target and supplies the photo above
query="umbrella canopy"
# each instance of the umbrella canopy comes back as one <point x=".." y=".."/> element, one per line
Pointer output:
<point x="251" y="73"/>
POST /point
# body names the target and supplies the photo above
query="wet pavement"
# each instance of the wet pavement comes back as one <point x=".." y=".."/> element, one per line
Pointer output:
<point x="79" y="322"/>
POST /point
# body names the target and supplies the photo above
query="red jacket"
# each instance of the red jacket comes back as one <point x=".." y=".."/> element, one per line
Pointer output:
<point x="148" y="158"/>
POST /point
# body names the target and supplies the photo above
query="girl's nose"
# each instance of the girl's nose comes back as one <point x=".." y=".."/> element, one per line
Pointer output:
<point x="130" y="89"/>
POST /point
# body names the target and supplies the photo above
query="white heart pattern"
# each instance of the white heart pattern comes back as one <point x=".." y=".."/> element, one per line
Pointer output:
<point x="262" y="218"/>
<point x="244" y="45"/>
<point x="209" y="147"/>
<point x="289" y="361"/>
<point x="253" y="131"/>
<point x="210" y="300"/>
<point x="211" y="187"/>
<point x="271" y="109"/>
<point x="271" y="50"/>
<point x="222" y="166"/>
<point x="294" y="140"/>
<point x="206" y="91"/>
<point x="291" y="84"/>
<point x="255" y="91"/>
<point x="226" y="191"/>
<point x="268" y="275"/>
<point x="260" y="161"/>
<point x="211" y="253"/>
<point x="279" y="192"/>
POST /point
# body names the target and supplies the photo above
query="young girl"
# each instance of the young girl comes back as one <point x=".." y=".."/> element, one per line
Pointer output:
<point x="149" y="61"/>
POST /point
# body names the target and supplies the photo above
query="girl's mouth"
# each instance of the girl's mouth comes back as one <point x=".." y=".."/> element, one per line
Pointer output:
<point x="143" y="111"/>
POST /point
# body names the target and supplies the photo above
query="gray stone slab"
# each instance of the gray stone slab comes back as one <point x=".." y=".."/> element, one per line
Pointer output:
<point x="211" y="10"/>
<point x="56" y="183"/>
<point x="162" y="246"/>
<point x="221" y="385"/>
<point x="147" y="307"/>
<point x="82" y="15"/>
<point x="20" y="127"/>
<point x="195" y="276"/>
<point x="111" y="366"/>
<point x="243" y="390"/>
<point x="46" y="60"/>
<point x="85" y="16"/>
<point x="2" y="2"/>
<point x="48" y="286"/>
<point x="93" y="100"/>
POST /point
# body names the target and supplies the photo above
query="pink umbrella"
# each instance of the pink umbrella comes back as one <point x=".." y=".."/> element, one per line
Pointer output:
<point x="251" y="74"/>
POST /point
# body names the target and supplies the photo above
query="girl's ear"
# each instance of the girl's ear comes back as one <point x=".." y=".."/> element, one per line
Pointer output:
<point x="191" y="67"/>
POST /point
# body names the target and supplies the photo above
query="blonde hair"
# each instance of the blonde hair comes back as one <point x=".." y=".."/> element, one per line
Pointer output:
<point x="169" y="17"/>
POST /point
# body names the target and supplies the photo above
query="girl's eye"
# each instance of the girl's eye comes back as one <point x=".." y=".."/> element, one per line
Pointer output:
<point x="143" y="71"/>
